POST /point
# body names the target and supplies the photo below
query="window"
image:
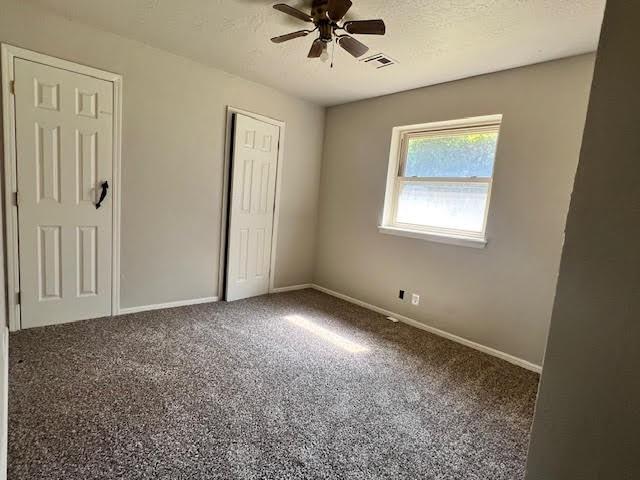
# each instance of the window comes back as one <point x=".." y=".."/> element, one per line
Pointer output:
<point x="439" y="181"/>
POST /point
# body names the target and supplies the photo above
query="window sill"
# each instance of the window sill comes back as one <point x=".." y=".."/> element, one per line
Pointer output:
<point x="434" y="237"/>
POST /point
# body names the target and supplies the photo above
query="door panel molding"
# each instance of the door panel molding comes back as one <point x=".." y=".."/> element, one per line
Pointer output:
<point x="229" y="139"/>
<point x="250" y="225"/>
<point x="86" y="105"/>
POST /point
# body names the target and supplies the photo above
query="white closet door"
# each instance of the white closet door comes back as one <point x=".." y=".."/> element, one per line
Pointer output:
<point x="64" y="134"/>
<point x="253" y="186"/>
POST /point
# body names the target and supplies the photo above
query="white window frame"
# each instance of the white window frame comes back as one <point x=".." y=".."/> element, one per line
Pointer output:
<point x="397" y="157"/>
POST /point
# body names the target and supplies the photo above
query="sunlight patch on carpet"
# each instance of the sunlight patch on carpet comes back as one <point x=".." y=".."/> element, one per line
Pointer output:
<point x="327" y="335"/>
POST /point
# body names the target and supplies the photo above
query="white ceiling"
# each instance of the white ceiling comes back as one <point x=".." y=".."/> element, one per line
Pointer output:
<point x="434" y="41"/>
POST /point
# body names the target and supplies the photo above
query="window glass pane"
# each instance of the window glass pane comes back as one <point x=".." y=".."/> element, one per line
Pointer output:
<point x="451" y="155"/>
<point x="459" y="206"/>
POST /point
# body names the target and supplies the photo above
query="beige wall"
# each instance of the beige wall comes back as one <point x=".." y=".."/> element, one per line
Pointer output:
<point x="588" y="412"/>
<point x="173" y="149"/>
<point x="501" y="296"/>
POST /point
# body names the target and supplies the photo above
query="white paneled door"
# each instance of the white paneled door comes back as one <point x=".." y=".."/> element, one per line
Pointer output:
<point x="64" y="143"/>
<point x="253" y="186"/>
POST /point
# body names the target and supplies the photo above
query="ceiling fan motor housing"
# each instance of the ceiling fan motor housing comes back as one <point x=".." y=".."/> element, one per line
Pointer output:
<point x="325" y="25"/>
<point x="326" y="30"/>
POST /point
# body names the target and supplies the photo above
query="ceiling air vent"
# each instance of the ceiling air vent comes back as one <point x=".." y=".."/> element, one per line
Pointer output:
<point x="379" y="60"/>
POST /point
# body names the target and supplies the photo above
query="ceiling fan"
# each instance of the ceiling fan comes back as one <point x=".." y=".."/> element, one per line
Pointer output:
<point x="327" y="16"/>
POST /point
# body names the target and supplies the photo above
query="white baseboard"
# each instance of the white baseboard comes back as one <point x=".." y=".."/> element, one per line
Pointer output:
<point x="160" y="306"/>
<point x="292" y="288"/>
<point x="450" y="336"/>
<point x="409" y="321"/>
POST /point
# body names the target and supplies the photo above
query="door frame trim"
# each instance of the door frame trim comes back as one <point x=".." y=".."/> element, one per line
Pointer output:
<point x="222" y="270"/>
<point x="8" y="53"/>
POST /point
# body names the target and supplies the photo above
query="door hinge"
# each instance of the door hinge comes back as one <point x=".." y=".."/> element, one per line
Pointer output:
<point x="12" y="87"/>
<point x="15" y="199"/>
<point x="18" y="298"/>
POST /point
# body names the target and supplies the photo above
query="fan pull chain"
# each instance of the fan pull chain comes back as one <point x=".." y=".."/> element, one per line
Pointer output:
<point x="333" y="52"/>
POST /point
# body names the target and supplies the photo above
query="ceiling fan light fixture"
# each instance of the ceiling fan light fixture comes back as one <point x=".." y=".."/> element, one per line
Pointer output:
<point x="324" y="56"/>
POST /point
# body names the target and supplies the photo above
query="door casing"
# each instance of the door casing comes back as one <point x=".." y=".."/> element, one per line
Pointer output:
<point x="222" y="271"/>
<point x="8" y="54"/>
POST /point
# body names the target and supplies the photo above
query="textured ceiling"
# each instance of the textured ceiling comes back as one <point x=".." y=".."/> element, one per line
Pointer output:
<point x="434" y="41"/>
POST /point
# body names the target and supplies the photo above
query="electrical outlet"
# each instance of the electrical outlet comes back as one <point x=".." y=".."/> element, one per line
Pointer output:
<point x="415" y="299"/>
<point x="401" y="295"/>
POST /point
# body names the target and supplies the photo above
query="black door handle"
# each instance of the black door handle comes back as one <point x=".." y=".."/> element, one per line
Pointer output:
<point x="103" y="194"/>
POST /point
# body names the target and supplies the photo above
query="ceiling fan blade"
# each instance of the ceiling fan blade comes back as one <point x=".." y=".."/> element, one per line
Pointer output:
<point x="338" y="9"/>
<point x="316" y="49"/>
<point x="294" y="12"/>
<point x="366" y="27"/>
<point x="290" y="36"/>
<point x="353" y="46"/>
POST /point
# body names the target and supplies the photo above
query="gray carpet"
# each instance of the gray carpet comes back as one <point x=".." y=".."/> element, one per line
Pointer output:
<point x="292" y="386"/>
